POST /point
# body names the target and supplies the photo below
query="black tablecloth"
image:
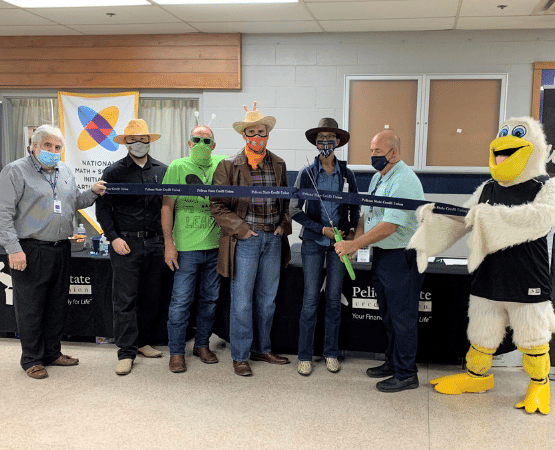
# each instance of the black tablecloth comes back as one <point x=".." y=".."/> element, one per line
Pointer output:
<point x="442" y="322"/>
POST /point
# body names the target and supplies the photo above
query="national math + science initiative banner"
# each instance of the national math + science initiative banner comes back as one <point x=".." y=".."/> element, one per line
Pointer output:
<point x="89" y="123"/>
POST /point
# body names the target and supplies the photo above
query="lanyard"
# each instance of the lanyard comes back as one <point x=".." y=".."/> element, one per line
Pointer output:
<point x="50" y="182"/>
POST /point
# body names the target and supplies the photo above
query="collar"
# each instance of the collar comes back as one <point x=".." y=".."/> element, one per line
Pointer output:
<point x="149" y="162"/>
<point x="393" y="170"/>
<point x="320" y="167"/>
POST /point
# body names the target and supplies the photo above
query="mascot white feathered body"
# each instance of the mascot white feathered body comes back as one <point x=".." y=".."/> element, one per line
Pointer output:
<point x="510" y="221"/>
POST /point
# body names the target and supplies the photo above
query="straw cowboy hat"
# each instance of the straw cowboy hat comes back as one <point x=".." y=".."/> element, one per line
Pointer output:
<point x="135" y="127"/>
<point x="254" y="117"/>
<point x="328" y="124"/>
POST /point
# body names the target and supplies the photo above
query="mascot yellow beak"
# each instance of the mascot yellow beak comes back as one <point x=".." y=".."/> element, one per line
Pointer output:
<point x="508" y="156"/>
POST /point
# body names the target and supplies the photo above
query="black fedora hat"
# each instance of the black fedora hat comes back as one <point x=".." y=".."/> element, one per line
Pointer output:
<point x="328" y="124"/>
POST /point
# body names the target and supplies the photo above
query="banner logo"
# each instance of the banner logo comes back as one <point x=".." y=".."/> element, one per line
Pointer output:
<point x="98" y="128"/>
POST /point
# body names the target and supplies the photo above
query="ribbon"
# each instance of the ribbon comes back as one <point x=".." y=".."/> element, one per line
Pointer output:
<point x="196" y="190"/>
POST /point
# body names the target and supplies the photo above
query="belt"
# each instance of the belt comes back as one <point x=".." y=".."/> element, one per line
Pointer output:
<point x="264" y="227"/>
<point x="51" y="243"/>
<point x="138" y="234"/>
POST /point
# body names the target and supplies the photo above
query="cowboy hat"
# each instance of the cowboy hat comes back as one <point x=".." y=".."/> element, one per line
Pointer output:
<point x="135" y="127"/>
<point x="254" y="117"/>
<point x="328" y="124"/>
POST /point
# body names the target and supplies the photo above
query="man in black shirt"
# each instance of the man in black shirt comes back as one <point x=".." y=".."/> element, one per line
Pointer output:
<point x="132" y="225"/>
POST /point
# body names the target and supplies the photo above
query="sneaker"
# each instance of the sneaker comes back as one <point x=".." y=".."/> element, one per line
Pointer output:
<point x="304" y="368"/>
<point x="333" y="365"/>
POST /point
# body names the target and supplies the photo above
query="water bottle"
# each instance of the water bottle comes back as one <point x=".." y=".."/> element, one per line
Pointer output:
<point x="83" y="232"/>
<point x="103" y="247"/>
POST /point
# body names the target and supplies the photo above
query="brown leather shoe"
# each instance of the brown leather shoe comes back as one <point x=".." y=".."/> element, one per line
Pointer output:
<point x="38" y="371"/>
<point x="178" y="364"/>
<point x="65" y="360"/>
<point x="269" y="358"/>
<point x="242" y="368"/>
<point x="206" y="355"/>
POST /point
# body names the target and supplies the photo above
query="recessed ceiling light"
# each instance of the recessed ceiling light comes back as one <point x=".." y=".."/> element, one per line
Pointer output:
<point x="74" y="3"/>
<point x="219" y="2"/>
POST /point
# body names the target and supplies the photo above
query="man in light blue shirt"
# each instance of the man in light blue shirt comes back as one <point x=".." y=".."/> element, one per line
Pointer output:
<point x="394" y="273"/>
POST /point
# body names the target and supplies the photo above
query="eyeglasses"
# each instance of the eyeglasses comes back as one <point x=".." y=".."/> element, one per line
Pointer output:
<point x="325" y="137"/>
<point x="133" y="139"/>
<point x="197" y="139"/>
<point x="252" y="133"/>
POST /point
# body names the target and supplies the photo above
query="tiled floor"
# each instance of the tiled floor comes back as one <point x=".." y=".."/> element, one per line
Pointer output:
<point x="208" y="407"/>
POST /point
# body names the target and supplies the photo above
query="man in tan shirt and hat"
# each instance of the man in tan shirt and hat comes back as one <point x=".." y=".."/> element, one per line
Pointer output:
<point x="252" y="242"/>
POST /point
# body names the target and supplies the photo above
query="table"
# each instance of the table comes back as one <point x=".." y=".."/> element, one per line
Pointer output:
<point x="442" y="322"/>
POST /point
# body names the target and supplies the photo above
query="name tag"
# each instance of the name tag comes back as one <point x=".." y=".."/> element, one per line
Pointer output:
<point x="57" y="207"/>
<point x="534" y="291"/>
<point x="345" y="185"/>
<point x="363" y="255"/>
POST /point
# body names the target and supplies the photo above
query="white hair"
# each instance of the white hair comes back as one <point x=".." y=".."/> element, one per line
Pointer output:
<point x="47" y="130"/>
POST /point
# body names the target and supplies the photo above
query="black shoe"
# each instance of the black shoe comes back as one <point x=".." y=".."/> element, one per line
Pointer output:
<point x="382" y="371"/>
<point x="394" y="385"/>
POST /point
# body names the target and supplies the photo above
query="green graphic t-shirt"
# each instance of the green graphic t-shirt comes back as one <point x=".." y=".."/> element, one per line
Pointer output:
<point x="194" y="227"/>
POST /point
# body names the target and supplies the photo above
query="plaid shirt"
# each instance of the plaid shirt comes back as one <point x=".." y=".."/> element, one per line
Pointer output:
<point x="263" y="211"/>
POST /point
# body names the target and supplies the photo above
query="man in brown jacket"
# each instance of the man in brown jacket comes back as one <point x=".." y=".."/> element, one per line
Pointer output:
<point x="254" y="231"/>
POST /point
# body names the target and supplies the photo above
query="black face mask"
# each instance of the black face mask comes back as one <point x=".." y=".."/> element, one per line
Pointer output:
<point x="380" y="162"/>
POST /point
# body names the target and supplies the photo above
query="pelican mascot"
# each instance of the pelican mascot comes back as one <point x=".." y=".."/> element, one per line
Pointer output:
<point x="510" y="222"/>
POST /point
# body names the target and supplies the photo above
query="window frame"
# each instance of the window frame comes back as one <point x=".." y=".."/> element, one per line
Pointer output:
<point x="422" y="113"/>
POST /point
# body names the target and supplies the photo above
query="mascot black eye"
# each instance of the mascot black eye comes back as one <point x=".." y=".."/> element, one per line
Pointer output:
<point x="504" y="131"/>
<point x="519" y="131"/>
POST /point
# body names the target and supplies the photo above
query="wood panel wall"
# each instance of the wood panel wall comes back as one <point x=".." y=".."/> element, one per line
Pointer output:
<point x="183" y="61"/>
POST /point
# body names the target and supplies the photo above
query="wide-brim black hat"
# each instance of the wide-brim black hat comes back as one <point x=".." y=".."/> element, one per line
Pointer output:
<point x="328" y="124"/>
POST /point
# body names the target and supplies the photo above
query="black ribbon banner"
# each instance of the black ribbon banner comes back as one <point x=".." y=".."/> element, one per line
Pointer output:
<point x="198" y="190"/>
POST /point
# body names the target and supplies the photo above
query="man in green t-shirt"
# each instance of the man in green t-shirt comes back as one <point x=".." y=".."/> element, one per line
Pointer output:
<point x="191" y="239"/>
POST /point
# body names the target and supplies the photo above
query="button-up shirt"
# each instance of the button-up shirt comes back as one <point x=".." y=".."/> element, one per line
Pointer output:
<point x="117" y="213"/>
<point x="327" y="182"/>
<point x="399" y="182"/>
<point x="28" y="194"/>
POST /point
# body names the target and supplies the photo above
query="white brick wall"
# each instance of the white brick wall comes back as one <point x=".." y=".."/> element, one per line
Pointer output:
<point x="299" y="78"/>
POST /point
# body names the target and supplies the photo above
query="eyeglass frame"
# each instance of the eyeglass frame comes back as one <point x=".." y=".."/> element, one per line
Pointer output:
<point x="204" y="139"/>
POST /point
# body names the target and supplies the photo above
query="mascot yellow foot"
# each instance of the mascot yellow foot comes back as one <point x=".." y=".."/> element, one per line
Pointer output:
<point x="537" y="398"/>
<point x="535" y="361"/>
<point x="461" y="383"/>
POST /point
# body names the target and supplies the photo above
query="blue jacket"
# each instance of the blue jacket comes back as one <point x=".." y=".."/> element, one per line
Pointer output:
<point x="349" y="215"/>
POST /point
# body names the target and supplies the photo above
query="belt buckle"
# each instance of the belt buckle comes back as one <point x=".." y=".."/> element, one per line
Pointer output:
<point x="141" y="234"/>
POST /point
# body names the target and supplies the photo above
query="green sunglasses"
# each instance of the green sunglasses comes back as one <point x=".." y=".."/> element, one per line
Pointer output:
<point x="196" y="140"/>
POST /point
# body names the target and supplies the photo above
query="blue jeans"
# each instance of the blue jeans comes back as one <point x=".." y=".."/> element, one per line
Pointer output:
<point x="193" y="265"/>
<point x="253" y="292"/>
<point x="313" y="256"/>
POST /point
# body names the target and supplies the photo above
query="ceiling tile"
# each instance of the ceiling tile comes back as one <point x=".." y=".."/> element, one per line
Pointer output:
<point x="258" y="27"/>
<point x="55" y="30"/>
<point x="501" y="23"/>
<point x="484" y="8"/>
<point x="90" y="16"/>
<point x="405" y="9"/>
<point x="241" y="13"/>
<point x="22" y="18"/>
<point x="343" y="26"/>
<point x="147" y="28"/>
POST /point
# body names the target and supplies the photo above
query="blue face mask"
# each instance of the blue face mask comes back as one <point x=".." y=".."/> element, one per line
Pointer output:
<point x="380" y="162"/>
<point x="326" y="148"/>
<point x="49" y="159"/>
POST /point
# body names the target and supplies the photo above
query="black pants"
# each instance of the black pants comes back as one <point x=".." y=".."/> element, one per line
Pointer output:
<point x="397" y="284"/>
<point x="136" y="292"/>
<point x="40" y="299"/>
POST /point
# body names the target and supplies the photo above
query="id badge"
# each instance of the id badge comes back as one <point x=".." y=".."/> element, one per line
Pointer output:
<point x="369" y="215"/>
<point x="57" y="207"/>
<point x="345" y="185"/>
<point x="363" y="255"/>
